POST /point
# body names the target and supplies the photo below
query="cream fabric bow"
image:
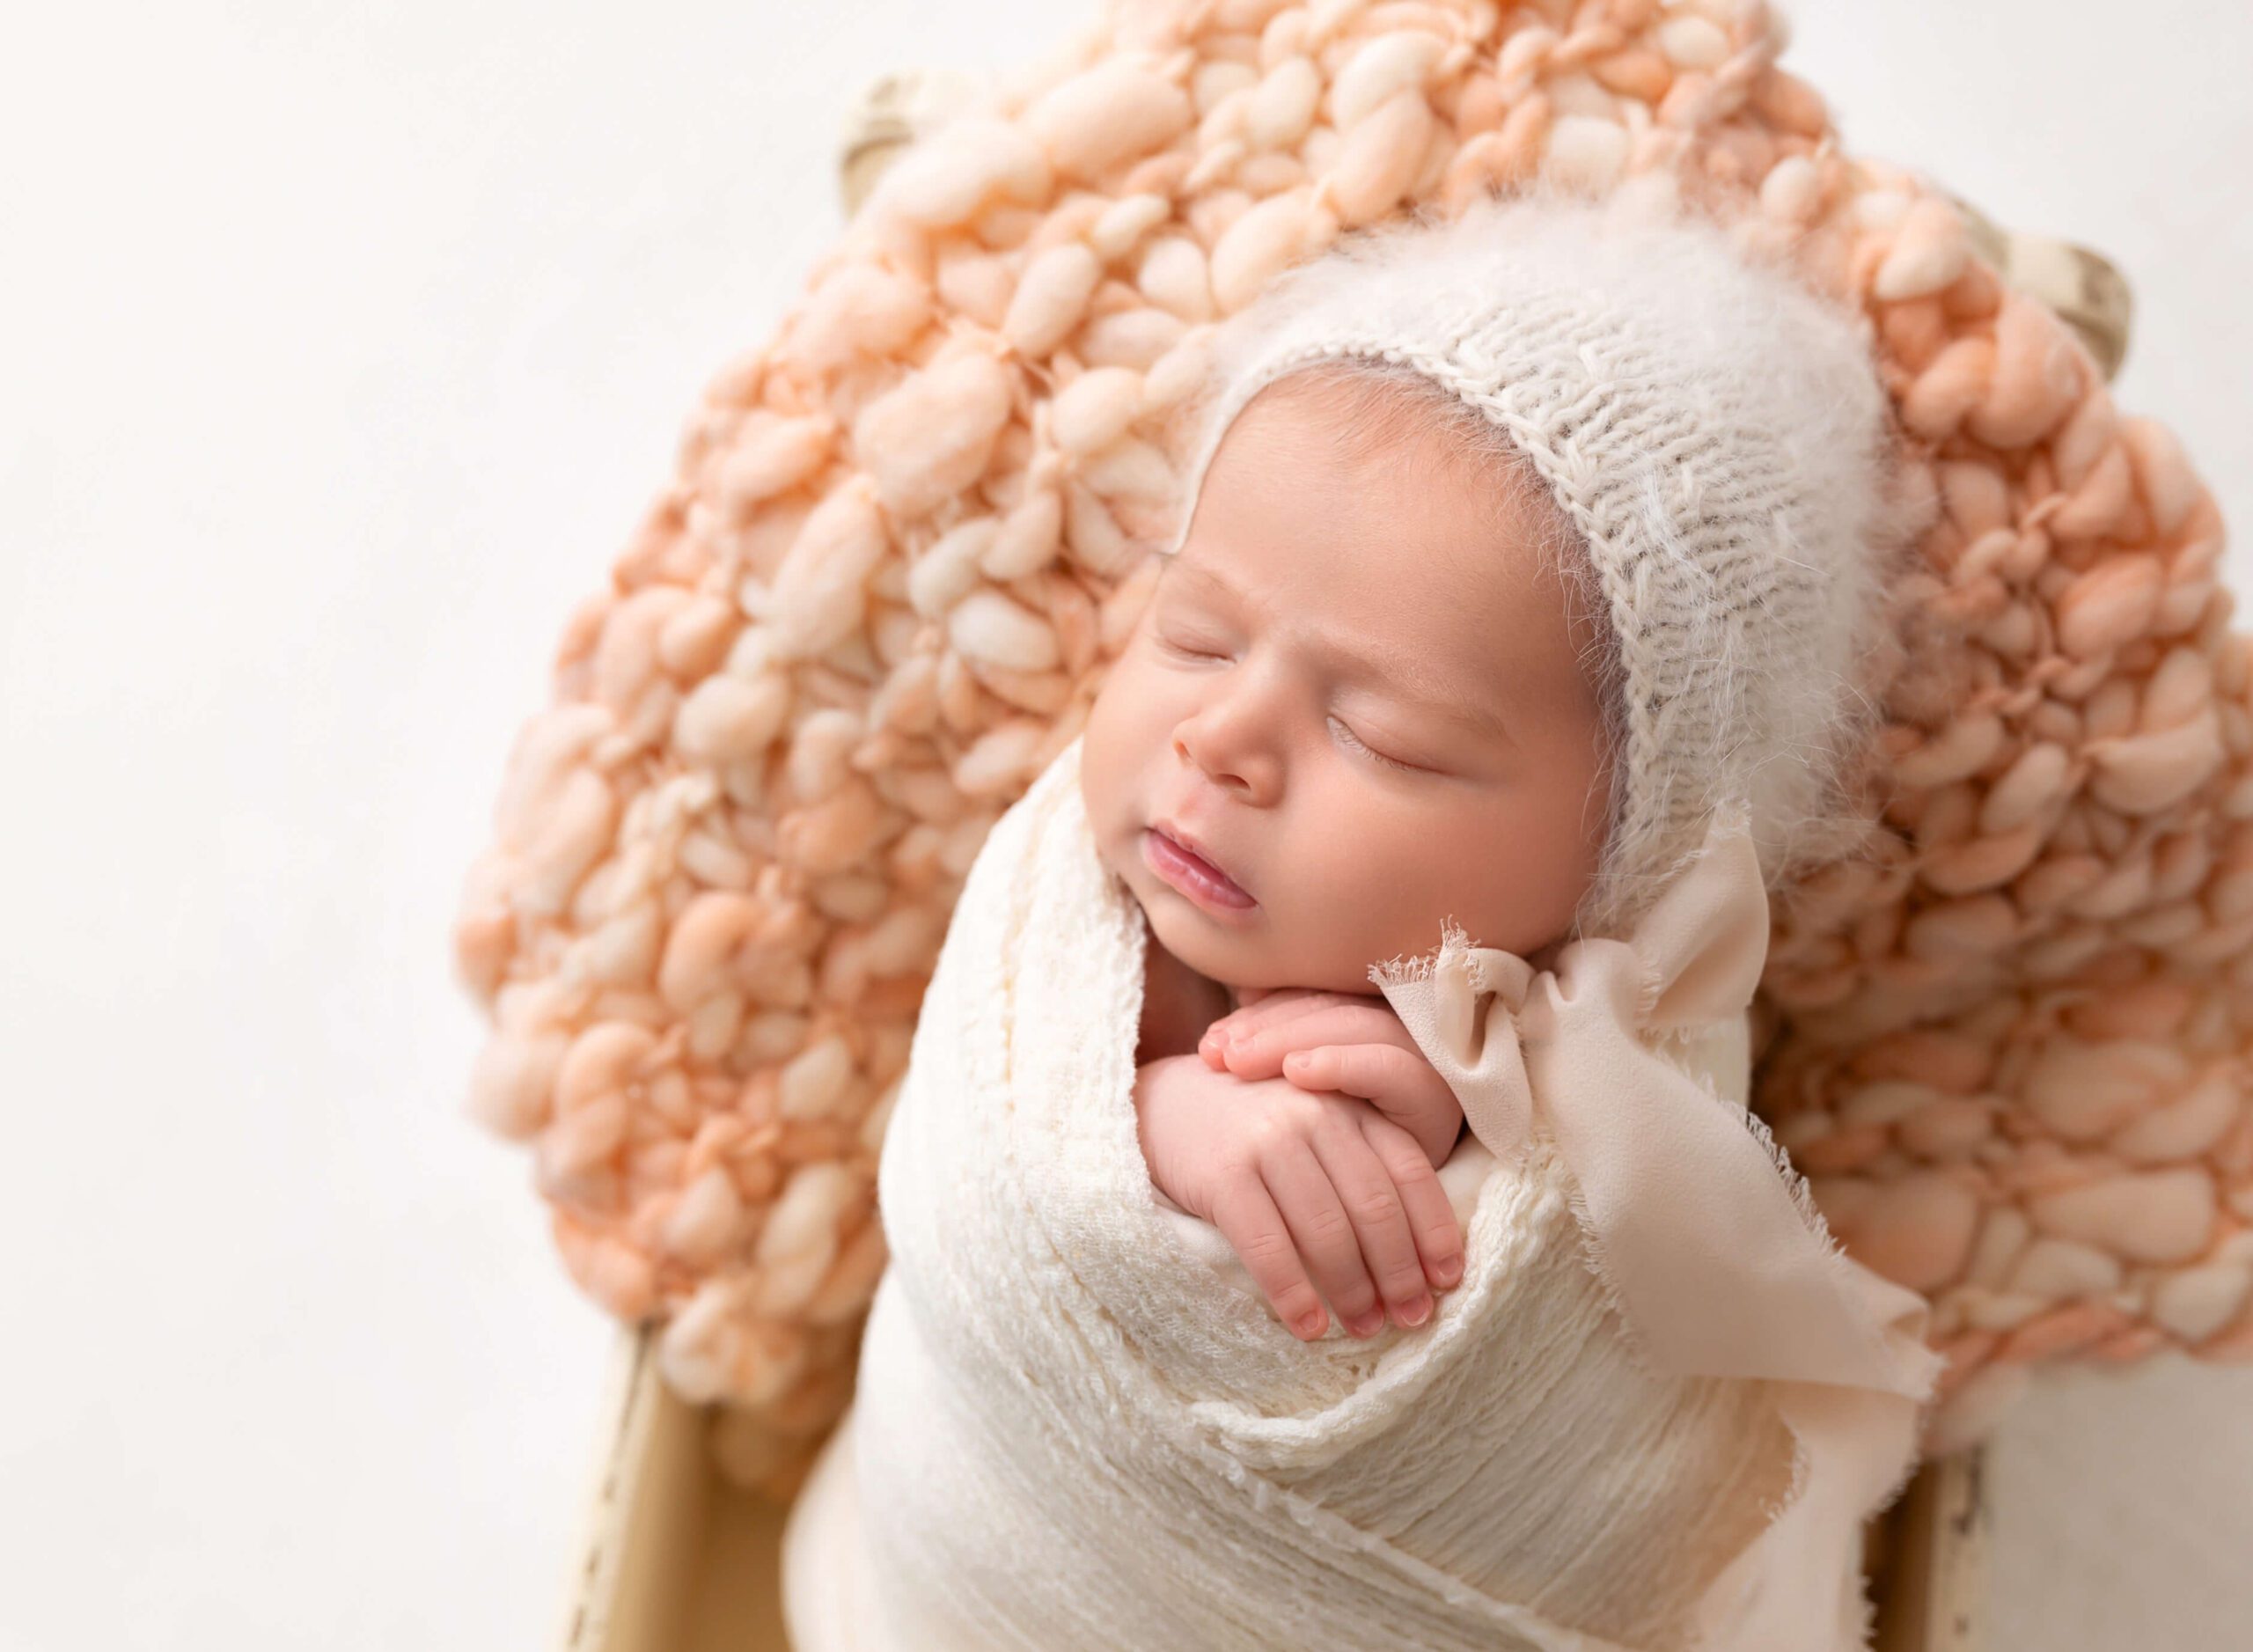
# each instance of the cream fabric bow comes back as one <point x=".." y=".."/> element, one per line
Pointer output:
<point x="1707" y="1240"/>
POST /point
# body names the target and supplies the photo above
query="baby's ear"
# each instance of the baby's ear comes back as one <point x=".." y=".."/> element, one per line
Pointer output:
<point x="1702" y="944"/>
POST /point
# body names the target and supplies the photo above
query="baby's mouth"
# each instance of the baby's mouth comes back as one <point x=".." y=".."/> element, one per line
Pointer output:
<point x="1193" y="875"/>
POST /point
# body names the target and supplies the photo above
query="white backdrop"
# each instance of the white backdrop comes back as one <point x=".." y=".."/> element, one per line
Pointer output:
<point x="342" y="349"/>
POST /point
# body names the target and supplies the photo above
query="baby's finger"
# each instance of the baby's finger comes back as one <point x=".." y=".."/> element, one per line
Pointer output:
<point x="1398" y="1083"/>
<point x="1272" y="1008"/>
<point x="1431" y="1218"/>
<point x="1373" y="1204"/>
<point x="1245" y="1213"/>
<point x="1283" y="1004"/>
<point x="1322" y="1232"/>
<point x="1257" y="1052"/>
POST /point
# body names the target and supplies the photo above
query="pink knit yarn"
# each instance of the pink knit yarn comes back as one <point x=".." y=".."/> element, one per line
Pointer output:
<point x="2008" y="1040"/>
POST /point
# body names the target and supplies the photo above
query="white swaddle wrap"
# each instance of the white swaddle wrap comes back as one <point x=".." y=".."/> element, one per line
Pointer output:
<point x="1078" y="1424"/>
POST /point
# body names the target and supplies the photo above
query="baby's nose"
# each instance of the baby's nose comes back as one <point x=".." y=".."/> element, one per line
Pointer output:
<point x="1230" y="773"/>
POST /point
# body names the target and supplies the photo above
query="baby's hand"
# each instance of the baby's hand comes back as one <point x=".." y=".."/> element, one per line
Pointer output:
<point x="1302" y="1182"/>
<point x="1346" y="1042"/>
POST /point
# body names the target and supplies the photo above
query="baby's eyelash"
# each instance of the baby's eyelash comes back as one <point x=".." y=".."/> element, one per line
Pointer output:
<point x="1182" y="649"/>
<point x="1186" y="652"/>
<point x="1390" y="762"/>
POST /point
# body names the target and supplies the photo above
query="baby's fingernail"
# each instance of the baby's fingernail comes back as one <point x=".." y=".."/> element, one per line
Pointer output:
<point x="1450" y="1269"/>
<point x="1368" y="1325"/>
<point x="1310" y="1324"/>
<point x="1296" y="1061"/>
<point x="1416" y="1312"/>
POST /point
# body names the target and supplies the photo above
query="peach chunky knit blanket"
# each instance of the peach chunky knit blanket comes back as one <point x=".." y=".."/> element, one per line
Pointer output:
<point x="1070" y="1431"/>
<point x="2006" y="1037"/>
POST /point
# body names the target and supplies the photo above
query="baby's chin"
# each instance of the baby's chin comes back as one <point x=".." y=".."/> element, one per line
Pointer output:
<point x="1239" y="951"/>
<point x="1242" y="961"/>
<point x="1189" y="934"/>
<point x="1177" y="931"/>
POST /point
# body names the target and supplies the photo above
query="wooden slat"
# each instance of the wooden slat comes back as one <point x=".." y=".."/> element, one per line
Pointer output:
<point x="1935" y="1578"/>
<point x="674" y="1559"/>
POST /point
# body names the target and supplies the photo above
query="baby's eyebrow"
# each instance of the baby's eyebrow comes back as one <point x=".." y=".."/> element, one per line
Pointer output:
<point x="1179" y="573"/>
<point x="1405" y="676"/>
<point x="1396" y="672"/>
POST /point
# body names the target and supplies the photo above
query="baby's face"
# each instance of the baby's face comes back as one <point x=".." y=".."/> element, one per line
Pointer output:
<point x="1364" y="707"/>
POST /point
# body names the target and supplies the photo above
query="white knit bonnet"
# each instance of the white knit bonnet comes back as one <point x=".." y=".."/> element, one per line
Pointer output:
<point x="1717" y="433"/>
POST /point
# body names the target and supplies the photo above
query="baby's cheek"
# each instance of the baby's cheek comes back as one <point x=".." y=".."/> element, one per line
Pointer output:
<point x="1103" y="783"/>
<point x="1345" y="910"/>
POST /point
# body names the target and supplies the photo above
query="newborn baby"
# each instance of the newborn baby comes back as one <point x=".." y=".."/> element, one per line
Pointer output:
<point x="1379" y="630"/>
<point x="1524" y="566"/>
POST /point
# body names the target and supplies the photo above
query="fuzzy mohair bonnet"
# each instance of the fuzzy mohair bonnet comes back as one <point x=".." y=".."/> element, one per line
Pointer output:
<point x="1717" y="433"/>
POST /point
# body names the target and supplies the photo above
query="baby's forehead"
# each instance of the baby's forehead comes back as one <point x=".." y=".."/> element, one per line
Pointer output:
<point x="1397" y="476"/>
<point x="1375" y="405"/>
<point x="1369" y="411"/>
